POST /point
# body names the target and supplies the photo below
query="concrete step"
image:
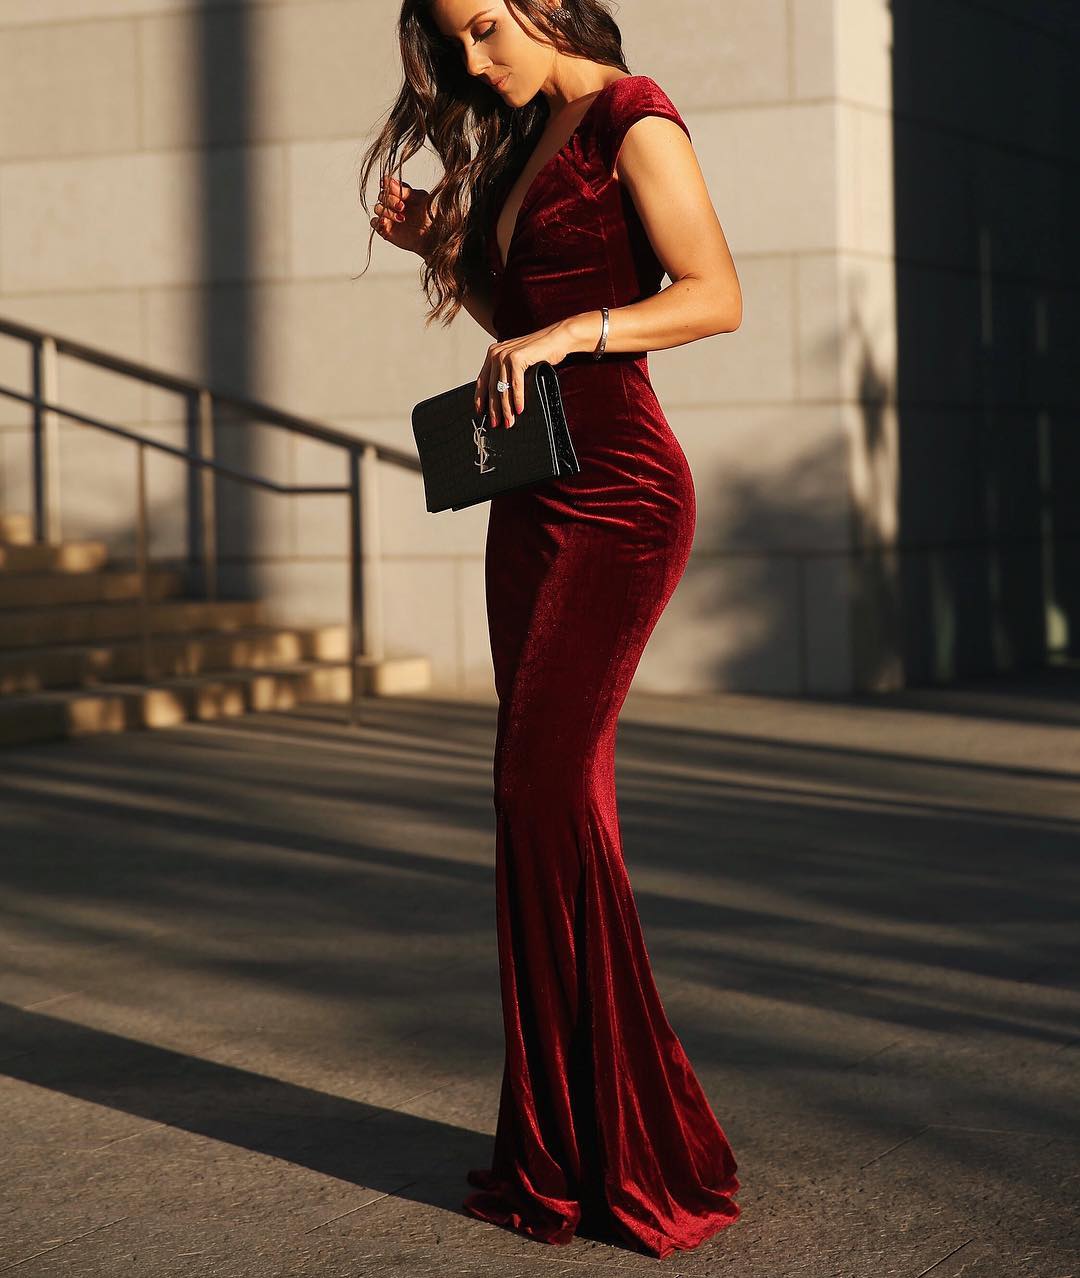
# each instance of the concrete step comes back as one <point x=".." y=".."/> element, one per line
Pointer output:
<point x="122" y="707"/>
<point x="86" y="623"/>
<point x="16" y="529"/>
<point x="81" y="665"/>
<point x="69" y="556"/>
<point x="53" y="589"/>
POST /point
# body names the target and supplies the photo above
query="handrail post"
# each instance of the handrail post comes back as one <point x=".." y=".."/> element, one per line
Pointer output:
<point x="141" y="557"/>
<point x="46" y="483"/>
<point x="365" y="568"/>
<point x="371" y="566"/>
<point x="207" y="490"/>
<point x="356" y="594"/>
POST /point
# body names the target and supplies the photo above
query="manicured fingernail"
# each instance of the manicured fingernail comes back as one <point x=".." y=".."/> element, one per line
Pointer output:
<point x="511" y="421"/>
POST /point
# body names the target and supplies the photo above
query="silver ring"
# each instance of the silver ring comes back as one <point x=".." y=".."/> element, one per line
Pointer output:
<point x="502" y="386"/>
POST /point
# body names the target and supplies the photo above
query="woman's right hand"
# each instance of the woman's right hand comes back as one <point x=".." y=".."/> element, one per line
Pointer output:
<point x="402" y="215"/>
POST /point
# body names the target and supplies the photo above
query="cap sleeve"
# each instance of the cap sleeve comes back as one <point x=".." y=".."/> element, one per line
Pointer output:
<point x="629" y="99"/>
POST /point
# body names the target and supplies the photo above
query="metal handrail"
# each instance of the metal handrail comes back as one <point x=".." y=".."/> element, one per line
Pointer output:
<point x="365" y="637"/>
<point x="266" y="413"/>
<point x="194" y="458"/>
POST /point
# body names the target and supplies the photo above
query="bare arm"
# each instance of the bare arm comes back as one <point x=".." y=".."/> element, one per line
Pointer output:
<point x="658" y="166"/>
<point x="402" y="218"/>
<point x="481" y="306"/>
<point x="480" y="303"/>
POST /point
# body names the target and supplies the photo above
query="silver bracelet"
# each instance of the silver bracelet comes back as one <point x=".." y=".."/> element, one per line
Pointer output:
<point x="602" y="344"/>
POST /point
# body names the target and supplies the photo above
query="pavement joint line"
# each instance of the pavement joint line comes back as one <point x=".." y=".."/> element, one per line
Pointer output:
<point x="997" y="1131"/>
<point x="424" y="1029"/>
<point x="409" y="744"/>
<point x="884" y="755"/>
<point x="94" y="1149"/>
<point x="945" y="1257"/>
<point x="863" y="1059"/>
<point x="874" y="800"/>
<point x="361" y="1206"/>
<point x="53" y="998"/>
<point x="409" y="1099"/>
<point x="63" y="1243"/>
<point x="892" y="1148"/>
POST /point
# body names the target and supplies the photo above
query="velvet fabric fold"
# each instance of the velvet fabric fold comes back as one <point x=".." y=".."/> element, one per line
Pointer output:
<point x="603" y="1127"/>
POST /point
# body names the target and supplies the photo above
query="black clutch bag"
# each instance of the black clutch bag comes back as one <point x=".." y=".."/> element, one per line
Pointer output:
<point x="465" y="462"/>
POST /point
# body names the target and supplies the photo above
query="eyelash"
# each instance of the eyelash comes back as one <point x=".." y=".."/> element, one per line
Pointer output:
<point x="482" y="36"/>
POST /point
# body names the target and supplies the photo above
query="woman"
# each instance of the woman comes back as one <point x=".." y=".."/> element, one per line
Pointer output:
<point x="583" y="190"/>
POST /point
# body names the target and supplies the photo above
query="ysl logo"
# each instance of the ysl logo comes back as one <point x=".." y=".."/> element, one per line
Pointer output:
<point x="480" y="440"/>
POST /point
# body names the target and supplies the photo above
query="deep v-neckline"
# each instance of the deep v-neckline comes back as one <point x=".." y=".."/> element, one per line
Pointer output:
<point x="500" y="260"/>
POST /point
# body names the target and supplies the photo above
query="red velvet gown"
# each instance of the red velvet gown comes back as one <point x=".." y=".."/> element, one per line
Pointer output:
<point x="602" y="1123"/>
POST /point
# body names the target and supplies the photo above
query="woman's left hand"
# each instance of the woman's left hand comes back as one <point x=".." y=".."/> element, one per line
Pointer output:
<point x="507" y="362"/>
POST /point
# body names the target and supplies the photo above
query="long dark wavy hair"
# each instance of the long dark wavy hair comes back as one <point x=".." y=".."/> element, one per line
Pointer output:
<point x="483" y="143"/>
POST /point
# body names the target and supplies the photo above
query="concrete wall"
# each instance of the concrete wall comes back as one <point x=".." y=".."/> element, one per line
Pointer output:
<point x="789" y="108"/>
<point x="177" y="183"/>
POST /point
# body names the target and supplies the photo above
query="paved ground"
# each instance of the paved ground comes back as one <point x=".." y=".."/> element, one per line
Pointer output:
<point x="250" y="1021"/>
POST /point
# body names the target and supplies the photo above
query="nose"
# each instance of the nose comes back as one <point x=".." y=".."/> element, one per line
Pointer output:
<point x="474" y="68"/>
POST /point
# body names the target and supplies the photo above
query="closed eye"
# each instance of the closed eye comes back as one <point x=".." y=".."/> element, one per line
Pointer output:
<point x="481" y="37"/>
